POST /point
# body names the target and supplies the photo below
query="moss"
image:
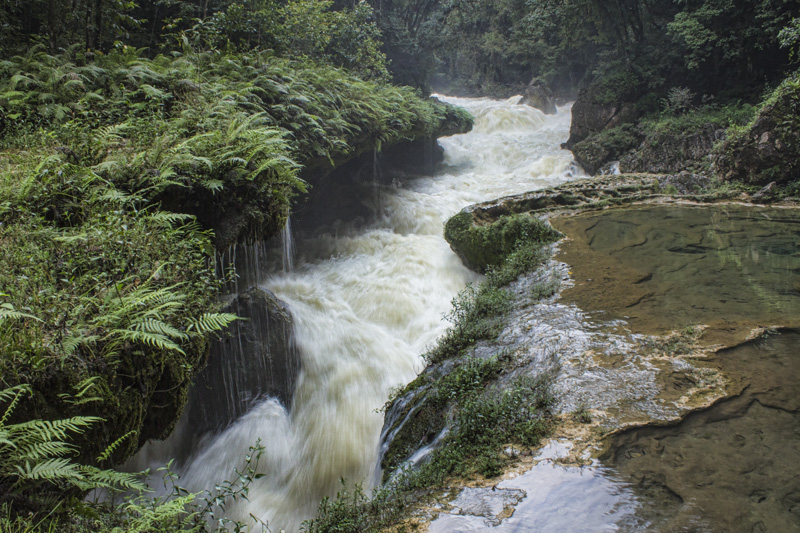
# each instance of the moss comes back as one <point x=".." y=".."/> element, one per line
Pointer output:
<point x="485" y="246"/>
<point x="608" y="145"/>
<point x="768" y="148"/>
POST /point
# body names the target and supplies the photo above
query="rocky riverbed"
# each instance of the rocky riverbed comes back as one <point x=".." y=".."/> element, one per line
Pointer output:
<point x="671" y="346"/>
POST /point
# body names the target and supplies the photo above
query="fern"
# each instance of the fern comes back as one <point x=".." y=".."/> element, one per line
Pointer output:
<point x="51" y="470"/>
<point x="81" y="395"/>
<point x="96" y="478"/>
<point x="15" y="395"/>
<point x="111" y="448"/>
<point x="155" y="340"/>
<point x="167" y="219"/>
<point x="36" y="452"/>
<point x="209" y="322"/>
<point x="7" y="312"/>
<point x="34" y="431"/>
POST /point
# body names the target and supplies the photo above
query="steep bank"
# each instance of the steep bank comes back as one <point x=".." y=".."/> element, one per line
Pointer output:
<point x="116" y="192"/>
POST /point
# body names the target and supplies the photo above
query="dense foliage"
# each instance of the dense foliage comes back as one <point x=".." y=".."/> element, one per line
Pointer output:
<point x="489" y="46"/>
<point x="122" y="169"/>
<point x="293" y="28"/>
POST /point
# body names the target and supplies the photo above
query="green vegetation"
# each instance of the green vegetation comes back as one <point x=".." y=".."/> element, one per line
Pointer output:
<point x="344" y="37"/>
<point x="767" y="148"/>
<point x="465" y="407"/>
<point x="505" y="249"/>
<point x="42" y="486"/>
<point x="483" y="419"/>
<point x="692" y="119"/>
<point x="622" y="49"/>
<point x="122" y="169"/>
<point x="484" y="246"/>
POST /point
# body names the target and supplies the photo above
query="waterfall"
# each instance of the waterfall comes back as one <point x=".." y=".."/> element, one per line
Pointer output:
<point x="366" y="302"/>
<point x="287" y="239"/>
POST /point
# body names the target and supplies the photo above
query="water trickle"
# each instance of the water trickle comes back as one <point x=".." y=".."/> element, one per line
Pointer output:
<point x="287" y="239"/>
<point x="366" y="302"/>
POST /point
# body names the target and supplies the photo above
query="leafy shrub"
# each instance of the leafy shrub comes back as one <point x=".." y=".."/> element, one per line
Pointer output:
<point x="678" y="101"/>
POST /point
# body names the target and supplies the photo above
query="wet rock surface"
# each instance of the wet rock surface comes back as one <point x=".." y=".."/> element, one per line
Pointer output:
<point x="539" y="95"/>
<point x="697" y="437"/>
<point x="258" y="359"/>
<point x="730" y="467"/>
<point x="593" y="193"/>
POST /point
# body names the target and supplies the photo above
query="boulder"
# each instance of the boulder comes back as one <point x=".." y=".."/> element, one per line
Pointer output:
<point x="589" y="118"/>
<point x="539" y="96"/>
<point x="258" y="358"/>
<point x="768" y="149"/>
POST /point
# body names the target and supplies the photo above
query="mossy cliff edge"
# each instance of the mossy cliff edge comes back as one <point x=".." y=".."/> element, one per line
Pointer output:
<point x="117" y="190"/>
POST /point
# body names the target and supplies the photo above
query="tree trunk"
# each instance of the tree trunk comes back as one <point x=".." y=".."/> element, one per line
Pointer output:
<point x="52" y="23"/>
<point x="98" y="23"/>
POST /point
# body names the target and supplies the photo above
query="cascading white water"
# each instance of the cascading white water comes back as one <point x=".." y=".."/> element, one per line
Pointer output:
<point x="366" y="305"/>
<point x="287" y="240"/>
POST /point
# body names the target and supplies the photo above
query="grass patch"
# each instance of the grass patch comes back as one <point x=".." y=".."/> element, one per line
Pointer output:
<point x="718" y="116"/>
<point x="483" y="422"/>
<point x="512" y="246"/>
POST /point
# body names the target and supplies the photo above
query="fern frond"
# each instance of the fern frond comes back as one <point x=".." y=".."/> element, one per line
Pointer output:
<point x="81" y="391"/>
<point x="151" y="339"/>
<point x="15" y="395"/>
<point x="209" y="322"/>
<point x="50" y="470"/>
<point x="152" y="325"/>
<point x="7" y="312"/>
<point x="213" y="185"/>
<point x="95" y="478"/>
<point x="111" y="448"/>
<point x="50" y="430"/>
<point x="38" y="451"/>
<point x="169" y="219"/>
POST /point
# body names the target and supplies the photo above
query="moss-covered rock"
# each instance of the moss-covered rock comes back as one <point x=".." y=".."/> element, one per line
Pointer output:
<point x="608" y="145"/>
<point x="767" y="149"/>
<point x="484" y="246"/>
<point x="668" y="152"/>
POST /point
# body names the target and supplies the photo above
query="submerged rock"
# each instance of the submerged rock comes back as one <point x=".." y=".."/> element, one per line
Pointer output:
<point x="539" y="96"/>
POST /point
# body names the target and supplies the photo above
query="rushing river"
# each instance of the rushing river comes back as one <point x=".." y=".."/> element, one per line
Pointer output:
<point x="366" y="302"/>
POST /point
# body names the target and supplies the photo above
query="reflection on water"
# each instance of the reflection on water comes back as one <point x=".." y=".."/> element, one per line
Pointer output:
<point x="732" y="467"/>
<point x="551" y="498"/>
<point x="668" y="267"/>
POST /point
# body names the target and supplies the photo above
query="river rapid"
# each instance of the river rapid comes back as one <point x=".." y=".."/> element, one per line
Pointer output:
<point x="367" y="301"/>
